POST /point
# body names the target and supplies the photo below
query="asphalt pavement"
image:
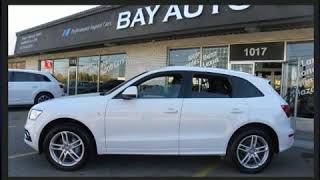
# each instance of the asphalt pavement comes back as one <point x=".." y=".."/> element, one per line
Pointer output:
<point x="24" y="161"/>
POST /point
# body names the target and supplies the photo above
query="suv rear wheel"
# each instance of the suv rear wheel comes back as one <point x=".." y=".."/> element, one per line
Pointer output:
<point x="41" y="97"/>
<point x="251" y="151"/>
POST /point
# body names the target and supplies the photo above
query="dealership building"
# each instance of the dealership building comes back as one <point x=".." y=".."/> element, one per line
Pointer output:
<point x="106" y="43"/>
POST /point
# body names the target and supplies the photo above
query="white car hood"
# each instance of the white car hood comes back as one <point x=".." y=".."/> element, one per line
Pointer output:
<point x="81" y="95"/>
<point x="71" y="100"/>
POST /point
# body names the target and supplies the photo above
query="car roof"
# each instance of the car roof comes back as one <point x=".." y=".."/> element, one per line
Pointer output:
<point x="203" y="69"/>
<point x="30" y="71"/>
<point x="244" y="75"/>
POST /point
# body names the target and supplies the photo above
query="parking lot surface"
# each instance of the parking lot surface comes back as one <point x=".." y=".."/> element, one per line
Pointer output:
<point x="24" y="161"/>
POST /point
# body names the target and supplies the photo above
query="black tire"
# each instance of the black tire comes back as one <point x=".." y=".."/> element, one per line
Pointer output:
<point x="232" y="150"/>
<point x="41" y="95"/>
<point x="78" y="130"/>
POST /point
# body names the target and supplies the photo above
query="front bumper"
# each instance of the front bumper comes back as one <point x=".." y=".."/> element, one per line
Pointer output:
<point x="31" y="135"/>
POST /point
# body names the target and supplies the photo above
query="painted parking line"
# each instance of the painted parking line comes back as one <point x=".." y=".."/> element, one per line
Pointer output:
<point x="12" y="126"/>
<point x="22" y="155"/>
<point x="206" y="171"/>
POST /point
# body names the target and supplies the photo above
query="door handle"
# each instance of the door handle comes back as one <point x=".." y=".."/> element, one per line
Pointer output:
<point x="236" y="110"/>
<point x="171" y="110"/>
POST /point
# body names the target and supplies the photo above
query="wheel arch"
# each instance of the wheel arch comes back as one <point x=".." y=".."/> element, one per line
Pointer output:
<point x="42" y="92"/>
<point x="270" y="130"/>
<point x="51" y="124"/>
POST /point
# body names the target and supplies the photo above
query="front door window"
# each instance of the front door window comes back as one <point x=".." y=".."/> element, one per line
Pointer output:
<point x="161" y="87"/>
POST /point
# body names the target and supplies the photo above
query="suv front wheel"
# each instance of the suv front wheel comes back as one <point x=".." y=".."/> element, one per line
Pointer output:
<point x="68" y="146"/>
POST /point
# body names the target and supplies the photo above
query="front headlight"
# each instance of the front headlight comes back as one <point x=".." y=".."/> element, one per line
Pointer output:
<point x="34" y="114"/>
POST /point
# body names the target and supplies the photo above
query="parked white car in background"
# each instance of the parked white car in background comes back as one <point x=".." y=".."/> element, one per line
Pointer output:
<point x="171" y="111"/>
<point x="27" y="87"/>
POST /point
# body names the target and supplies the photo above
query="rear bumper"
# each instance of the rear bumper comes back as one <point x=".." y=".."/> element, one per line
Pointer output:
<point x="286" y="139"/>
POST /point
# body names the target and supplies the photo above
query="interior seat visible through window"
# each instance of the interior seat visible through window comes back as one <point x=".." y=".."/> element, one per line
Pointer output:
<point x="210" y="86"/>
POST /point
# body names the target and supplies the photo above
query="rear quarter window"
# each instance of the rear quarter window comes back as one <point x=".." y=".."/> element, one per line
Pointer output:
<point x="244" y="89"/>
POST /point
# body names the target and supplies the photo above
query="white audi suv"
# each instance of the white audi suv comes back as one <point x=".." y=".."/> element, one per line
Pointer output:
<point x="28" y="87"/>
<point x="171" y="111"/>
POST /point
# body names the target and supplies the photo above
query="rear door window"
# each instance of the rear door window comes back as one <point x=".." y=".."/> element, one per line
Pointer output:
<point x="210" y="86"/>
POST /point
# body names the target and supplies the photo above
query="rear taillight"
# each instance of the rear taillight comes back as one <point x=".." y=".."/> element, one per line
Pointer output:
<point x="286" y="109"/>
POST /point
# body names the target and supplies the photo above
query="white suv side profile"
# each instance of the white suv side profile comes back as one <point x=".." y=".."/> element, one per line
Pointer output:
<point x="171" y="111"/>
<point x="28" y="87"/>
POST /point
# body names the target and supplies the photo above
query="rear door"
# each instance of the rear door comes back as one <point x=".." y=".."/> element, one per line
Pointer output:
<point x="25" y="85"/>
<point x="209" y="114"/>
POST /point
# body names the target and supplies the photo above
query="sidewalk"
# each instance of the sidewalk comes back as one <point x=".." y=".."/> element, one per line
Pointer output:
<point x="304" y="140"/>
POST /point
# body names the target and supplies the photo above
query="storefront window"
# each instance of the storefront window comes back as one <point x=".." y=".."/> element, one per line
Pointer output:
<point x="17" y="65"/>
<point x="61" y="67"/>
<point x="216" y="57"/>
<point x="112" y="71"/>
<point x="300" y="74"/>
<point x="184" y="57"/>
<point x="87" y="74"/>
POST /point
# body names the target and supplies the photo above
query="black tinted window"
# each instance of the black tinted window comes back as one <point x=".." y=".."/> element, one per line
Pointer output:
<point x="210" y="86"/>
<point x="28" y="77"/>
<point x="243" y="88"/>
<point x="39" y="77"/>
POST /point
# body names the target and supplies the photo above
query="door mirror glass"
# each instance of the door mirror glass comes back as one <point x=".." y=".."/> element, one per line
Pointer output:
<point x="130" y="93"/>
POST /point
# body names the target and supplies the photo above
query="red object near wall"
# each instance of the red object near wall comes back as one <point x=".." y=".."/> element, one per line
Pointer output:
<point x="48" y="64"/>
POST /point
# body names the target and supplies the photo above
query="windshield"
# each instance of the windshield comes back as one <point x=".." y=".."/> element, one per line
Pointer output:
<point x="121" y="84"/>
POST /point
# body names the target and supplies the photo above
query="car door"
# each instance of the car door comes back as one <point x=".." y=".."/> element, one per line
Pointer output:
<point x="209" y="114"/>
<point x="24" y="87"/>
<point x="11" y="97"/>
<point x="148" y="124"/>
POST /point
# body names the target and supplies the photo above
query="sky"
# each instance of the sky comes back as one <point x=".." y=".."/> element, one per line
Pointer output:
<point x="21" y="17"/>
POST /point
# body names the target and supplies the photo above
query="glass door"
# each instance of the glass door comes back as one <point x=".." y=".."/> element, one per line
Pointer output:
<point x="72" y="80"/>
<point x="271" y="71"/>
<point x="247" y="67"/>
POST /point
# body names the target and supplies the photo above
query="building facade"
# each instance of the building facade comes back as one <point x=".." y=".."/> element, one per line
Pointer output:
<point x="87" y="50"/>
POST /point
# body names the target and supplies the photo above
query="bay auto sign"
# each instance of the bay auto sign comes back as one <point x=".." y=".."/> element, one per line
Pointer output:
<point x="173" y="11"/>
<point x="135" y="22"/>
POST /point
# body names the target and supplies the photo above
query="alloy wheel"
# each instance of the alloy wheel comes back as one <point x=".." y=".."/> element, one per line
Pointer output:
<point x="43" y="98"/>
<point x="252" y="151"/>
<point x="66" y="148"/>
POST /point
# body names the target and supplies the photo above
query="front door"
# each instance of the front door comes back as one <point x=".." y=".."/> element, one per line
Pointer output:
<point x="148" y="123"/>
